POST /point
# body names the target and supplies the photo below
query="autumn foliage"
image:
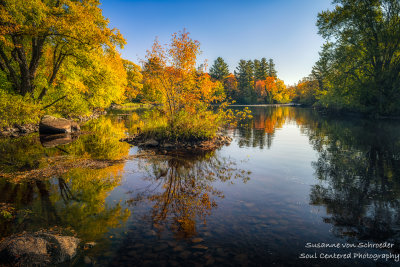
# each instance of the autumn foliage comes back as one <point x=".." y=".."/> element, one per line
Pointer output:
<point x="185" y="92"/>
<point x="170" y="71"/>
<point x="59" y="54"/>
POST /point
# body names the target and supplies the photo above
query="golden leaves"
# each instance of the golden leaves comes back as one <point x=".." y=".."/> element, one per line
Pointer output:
<point x="171" y="72"/>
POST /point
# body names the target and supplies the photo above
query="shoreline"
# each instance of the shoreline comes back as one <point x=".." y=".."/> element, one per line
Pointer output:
<point x="25" y="129"/>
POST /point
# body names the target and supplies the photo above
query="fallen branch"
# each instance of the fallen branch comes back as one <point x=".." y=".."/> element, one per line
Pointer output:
<point x="54" y="102"/>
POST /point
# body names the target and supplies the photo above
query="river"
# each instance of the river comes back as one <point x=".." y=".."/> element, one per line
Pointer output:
<point x="294" y="188"/>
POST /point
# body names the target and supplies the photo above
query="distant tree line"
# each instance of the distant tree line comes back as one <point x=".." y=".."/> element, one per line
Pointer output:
<point x="253" y="82"/>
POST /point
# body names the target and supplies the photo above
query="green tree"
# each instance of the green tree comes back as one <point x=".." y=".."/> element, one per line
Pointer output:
<point x="244" y="76"/>
<point x="219" y="70"/>
<point x="261" y="69"/>
<point x="271" y="68"/>
<point x="364" y="54"/>
<point x="256" y="66"/>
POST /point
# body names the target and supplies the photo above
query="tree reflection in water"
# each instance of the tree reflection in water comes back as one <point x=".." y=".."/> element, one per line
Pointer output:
<point x="72" y="197"/>
<point x="181" y="189"/>
<point x="259" y="130"/>
<point x="359" y="170"/>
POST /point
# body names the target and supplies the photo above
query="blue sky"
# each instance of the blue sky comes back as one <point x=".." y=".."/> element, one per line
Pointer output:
<point x="283" y="30"/>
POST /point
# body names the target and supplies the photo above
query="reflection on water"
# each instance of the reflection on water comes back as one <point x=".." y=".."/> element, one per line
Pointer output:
<point x="357" y="169"/>
<point x="180" y="189"/>
<point x="313" y="179"/>
<point x="359" y="163"/>
<point x="62" y="185"/>
<point x="56" y="140"/>
<point x="259" y="131"/>
<point x="75" y="200"/>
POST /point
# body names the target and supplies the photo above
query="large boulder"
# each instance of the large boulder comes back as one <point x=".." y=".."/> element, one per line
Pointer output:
<point x="37" y="249"/>
<point x="52" y="125"/>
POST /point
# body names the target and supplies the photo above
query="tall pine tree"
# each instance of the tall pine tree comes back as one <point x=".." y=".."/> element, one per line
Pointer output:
<point x="219" y="70"/>
<point x="271" y="69"/>
<point x="244" y="76"/>
<point x="261" y="69"/>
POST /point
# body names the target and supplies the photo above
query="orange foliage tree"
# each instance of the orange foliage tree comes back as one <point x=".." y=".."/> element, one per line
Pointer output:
<point x="273" y="90"/>
<point x="231" y="86"/>
<point x="307" y="91"/>
<point x="170" y="73"/>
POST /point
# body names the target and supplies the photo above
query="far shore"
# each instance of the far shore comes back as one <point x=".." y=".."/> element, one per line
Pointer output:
<point x="264" y="105"/>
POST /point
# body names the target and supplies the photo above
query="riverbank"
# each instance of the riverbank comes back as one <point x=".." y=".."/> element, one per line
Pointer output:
<point x="265" y="105"/>
<point x="20" y="130"/>
<point x="330" y="111"/>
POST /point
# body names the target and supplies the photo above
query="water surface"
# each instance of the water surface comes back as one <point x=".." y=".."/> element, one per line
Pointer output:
<point x="290" y="177"/>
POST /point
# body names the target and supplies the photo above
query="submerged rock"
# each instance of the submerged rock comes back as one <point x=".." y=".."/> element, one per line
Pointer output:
<point x="151" y="143"/>
<point x="37" y="249"/>
<point x="197" y="240"/>
<point x="200" y="247"/>
<point x="52" y="125"/>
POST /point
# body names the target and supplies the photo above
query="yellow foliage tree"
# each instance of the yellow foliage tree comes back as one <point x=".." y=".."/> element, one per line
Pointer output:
<point x="134" y="79"/>
<point x="61" y="50"/>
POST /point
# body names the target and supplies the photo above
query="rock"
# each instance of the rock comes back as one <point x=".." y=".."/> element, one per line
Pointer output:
<point x="22" y="129"/>
<point x="37" y="249"/>
<point x="249" y="204"/>
<point x="52" y="125"/>
<point x="185" y="254"/>
<point x="90" y="245"/>
<point x="197" y="240"/>
<point x="179" y="248"/>
<point x="168" y="146"/>
<point x="210" y="261"/>
<point x="87" y="260"/>
<point x="172" y="243"/>
<point x="151" y="233"/>
<point x="151" y="143"/>
<point x="115" y="106"/>
<point x="200" y="247"/>
<point x="5" y="133"/>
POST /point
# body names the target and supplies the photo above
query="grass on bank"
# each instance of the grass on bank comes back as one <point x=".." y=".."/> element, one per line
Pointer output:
<point x="202" y="125"/>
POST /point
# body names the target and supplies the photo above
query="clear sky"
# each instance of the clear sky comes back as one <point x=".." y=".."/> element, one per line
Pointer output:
<point x="283" y="30"/>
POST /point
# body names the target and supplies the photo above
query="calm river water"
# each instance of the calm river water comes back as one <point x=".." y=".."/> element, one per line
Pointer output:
<point x="291" y="180"/>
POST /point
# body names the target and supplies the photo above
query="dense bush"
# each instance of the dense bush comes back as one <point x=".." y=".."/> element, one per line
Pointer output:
<point x="16" y="109"/>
